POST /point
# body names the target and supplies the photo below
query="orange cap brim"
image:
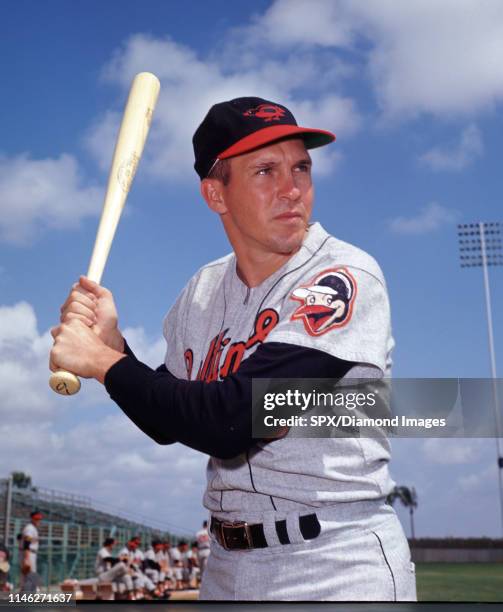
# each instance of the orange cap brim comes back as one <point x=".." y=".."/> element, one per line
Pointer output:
<point x="313" y="138"/>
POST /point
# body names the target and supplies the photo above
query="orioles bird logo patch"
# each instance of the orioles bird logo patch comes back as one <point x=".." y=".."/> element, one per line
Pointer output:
<point x="267" y="112"/>
<point x="326" y="302"/>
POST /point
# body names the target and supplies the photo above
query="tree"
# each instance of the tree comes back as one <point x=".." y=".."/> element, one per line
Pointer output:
<point x="408" y="497"/>
<point x="21" y="480"/>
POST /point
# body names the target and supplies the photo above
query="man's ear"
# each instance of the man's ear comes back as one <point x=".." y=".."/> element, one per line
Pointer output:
<point x="212" y="191"/>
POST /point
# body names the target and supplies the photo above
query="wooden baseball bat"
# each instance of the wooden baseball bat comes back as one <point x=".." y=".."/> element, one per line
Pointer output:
<point x="128" y="149"/>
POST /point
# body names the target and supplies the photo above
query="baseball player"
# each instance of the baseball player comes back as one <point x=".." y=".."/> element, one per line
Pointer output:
<point x="203" y="546"/>
<point x="110" y="569"/>
<point x="194" y="568"/>
<point x="291" y="518"/>
<point x="185" y="555"/>
<point x="164" y="560"/>
<point x="133" y="558"/>
<point x="176" y="562"/>
<point x="30" y="580"/>
<point x="154" y="556"/>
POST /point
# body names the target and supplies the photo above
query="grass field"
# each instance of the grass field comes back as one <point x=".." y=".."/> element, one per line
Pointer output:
<point x="459" y="582"/>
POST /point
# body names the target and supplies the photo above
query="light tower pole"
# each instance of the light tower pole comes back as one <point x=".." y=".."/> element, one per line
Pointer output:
<point x="480" y="246"/>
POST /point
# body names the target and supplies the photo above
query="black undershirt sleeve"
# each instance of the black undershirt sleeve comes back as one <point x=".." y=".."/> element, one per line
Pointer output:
<point x="215" y="417"/>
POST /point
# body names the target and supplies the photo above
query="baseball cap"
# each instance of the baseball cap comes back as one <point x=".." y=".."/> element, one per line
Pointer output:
<point x="243" y="124"/>
<point x="36" y="514"/>
<point x="329" y="284"/>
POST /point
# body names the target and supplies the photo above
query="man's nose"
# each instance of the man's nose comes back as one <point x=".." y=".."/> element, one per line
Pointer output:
<point x="288" y="187"/>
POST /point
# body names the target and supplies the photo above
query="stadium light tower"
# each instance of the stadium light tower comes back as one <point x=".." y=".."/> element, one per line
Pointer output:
<point x="480" y="246"/>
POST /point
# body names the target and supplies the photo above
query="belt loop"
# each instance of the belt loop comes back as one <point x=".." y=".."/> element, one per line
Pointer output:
<point x="293" y="529"/>
<point x="270" y="530"/>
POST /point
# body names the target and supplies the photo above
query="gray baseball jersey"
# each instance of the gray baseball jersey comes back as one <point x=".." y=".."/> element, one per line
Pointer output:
<point x="218" y="321"/>
<point x="30" y="534"/>
<point x="101" y="564"/>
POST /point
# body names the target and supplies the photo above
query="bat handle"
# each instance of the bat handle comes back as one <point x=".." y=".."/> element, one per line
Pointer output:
<point x="61" y="381"/>
<point x="64" y="383"/>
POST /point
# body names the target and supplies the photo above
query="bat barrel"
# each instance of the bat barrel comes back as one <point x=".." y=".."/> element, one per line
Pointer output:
<point x="131" y="139"/>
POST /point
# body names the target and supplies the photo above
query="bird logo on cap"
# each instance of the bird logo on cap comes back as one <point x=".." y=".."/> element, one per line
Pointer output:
<point x="327" y="302"/>
<point x="267" y="112"/>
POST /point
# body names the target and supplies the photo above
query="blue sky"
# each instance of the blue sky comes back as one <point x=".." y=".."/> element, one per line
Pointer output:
<point x="413" y="92"/>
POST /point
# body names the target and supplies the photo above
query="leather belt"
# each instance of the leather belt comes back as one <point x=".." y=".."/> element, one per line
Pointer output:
<point x="241" y="535"/>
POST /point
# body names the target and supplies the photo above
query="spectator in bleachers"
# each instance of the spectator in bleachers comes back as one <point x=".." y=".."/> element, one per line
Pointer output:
<point x="30" y="580"/>
<point x="111" y="569"/>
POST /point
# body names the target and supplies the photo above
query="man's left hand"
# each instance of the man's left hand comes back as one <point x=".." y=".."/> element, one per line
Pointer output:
<point x="79" y="350"/>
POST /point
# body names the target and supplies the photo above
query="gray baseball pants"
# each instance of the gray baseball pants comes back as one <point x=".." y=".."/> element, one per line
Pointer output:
<point x="118" y="574"/>
<point x="361" y="554"/>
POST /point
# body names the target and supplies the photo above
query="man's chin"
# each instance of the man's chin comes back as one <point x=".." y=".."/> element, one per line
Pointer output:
<point x="289" y="245"/>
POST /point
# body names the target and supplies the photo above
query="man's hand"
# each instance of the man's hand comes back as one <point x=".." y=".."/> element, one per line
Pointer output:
<point x="79" y="350"/>
<point x="94" y="306"/>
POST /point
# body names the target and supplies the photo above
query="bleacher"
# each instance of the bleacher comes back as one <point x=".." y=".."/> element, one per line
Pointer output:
<point x="71" y="532"/>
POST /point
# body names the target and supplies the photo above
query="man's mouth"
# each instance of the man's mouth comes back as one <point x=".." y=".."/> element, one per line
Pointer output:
<point x="287" y="216"/>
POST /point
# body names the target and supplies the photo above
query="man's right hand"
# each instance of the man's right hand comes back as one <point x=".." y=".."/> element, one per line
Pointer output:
<point x="95" y="306"/>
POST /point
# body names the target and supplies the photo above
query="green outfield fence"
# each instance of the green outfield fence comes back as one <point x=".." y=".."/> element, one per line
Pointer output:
<point x="72" y="531"/>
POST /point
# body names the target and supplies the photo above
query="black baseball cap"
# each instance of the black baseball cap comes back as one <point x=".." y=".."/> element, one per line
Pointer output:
<point x="243" y="124"/>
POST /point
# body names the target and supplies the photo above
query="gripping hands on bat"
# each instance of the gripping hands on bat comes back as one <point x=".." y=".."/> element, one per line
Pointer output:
<point x="88" y="341"/>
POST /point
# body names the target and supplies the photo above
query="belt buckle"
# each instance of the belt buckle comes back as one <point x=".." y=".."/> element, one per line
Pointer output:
<point x="239" y="525"/>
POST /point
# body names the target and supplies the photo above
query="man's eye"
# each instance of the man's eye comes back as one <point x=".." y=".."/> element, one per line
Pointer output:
<point x="304" y="167"/>
<point x="264" y="171"/>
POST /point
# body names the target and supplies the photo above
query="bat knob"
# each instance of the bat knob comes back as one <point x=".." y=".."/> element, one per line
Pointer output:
<point x="64" y="383"/>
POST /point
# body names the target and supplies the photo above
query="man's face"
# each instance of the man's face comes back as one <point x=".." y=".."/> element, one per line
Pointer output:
<point x="268" y="201"/>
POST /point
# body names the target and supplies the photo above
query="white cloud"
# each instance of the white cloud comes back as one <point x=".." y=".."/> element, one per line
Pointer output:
<point x="422" y="56"/>
<point x="100" y="138"/>
<point x="190" y="86"/>
<point x="24" y="366"/>
<point x="431" y="218"/>
<point x="84" y="444"/>
<point x="478" y="481"/>
<point x="324" y="23"/>
<point x="149" y="351"/>
<point x="451" y="452"/>
<point x="434" y="57"/>
<point x="458" y="156"/>
<point x="37" y="194"/>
